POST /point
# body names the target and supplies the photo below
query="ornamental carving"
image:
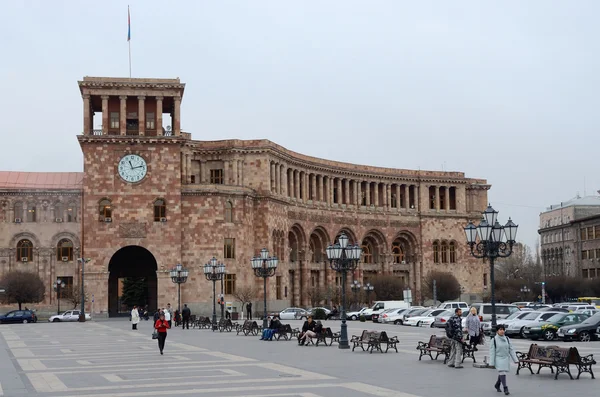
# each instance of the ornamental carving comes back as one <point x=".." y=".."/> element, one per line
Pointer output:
<point x="341" y="220"/>
<point x="296" y="215"/>
<point x="319" y="218"/>
<point x="47" y="251"/>
<point x="5" y="252"/>
<point x="132" y="230"/>
<point x="374" y="222"/>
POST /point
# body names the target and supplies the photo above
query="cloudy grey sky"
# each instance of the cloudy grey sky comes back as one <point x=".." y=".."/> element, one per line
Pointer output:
<point x="503" y="90"/>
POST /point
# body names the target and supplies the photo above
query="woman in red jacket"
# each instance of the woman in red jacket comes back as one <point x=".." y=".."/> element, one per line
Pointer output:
<point x="161" y="326"/>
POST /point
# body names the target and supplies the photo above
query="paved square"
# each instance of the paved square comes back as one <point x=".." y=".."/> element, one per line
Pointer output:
<point x="108" y="359"/>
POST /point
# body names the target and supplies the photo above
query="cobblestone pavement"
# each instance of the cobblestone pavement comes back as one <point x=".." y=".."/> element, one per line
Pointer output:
<point x="107" y="358"/>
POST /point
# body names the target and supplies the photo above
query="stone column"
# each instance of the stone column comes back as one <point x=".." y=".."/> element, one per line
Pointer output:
<point x="320" y="188"/>
<point x="159" y="113"/>
<point x="86" y="115"/>
<point x="177" y="116"/>
<point x="368" y="194"/>
<point x="272" y="175"/>
<point x="400" y="203"/>
<point x="226" y="172"/>
<point x="347" y="190"/>
<point x="123" y="115"/>
<point x="388" y="197"/>
<point x="315" y="198"/>
<point x="189" y="167"/>
<point x="284" y="191"/>
<point x="297" y="184"/>
<point x="105" y="115"/>
<point x="340" y="196"/>
<point x="416" y="192"/>
<point x="376" y="195"/>
<point x="141" y="115"/>
<point x="447" y="198"/>
<point x="357" y="191"/>
<point x="437" y="198"/>
<point x="203" y="171"/>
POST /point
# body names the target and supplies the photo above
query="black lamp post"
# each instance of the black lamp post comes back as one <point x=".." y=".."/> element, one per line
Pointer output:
<point x="495" y="241"/>
<point x="355" y="286"/>
<point x="57" y="287"/>
<point x="368" y="289"/>
<point x="264" y="266"/>
<point x="343" y="258"/>
<point x="179" y="276"/>
<point x="82" y="311"/>
<point x="525" y="290"/>
<point x="214" y="271"/>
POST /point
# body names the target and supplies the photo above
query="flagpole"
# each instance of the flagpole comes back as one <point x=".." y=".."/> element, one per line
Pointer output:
<point x="129" y="37"/>
<point x="129" y="58"/>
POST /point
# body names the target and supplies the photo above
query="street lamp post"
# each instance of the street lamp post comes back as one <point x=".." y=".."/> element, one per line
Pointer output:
<point x="82" y="311"/>
<point x="343" y="258"/>
<point x="355" y="286"/>
<point x="57" y="287"/>
<point x="525" y="290"/>
<point x="495" y="241"/>
<point x="368" y="289"/>
<point x="179" y="276"/>
<point x="264" y="266"/>
<point x="214" y="271"/>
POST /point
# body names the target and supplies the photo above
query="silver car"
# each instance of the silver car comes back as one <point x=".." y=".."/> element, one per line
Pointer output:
<point x="518" y="326"/>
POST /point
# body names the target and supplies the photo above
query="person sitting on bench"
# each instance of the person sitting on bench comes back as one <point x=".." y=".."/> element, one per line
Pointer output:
<point x="268" y="333"/>
<point x="308" y="330"/>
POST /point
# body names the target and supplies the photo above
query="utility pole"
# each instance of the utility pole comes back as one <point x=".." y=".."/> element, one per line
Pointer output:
<point x="434" y="292"/>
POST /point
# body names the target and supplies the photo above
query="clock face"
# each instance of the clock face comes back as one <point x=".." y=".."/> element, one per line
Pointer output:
<point x="132" y="168"/>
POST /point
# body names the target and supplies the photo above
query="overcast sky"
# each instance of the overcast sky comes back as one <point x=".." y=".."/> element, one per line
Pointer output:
<point x="502" y="90"/>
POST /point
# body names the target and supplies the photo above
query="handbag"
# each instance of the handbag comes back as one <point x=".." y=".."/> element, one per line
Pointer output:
<point x="155" y="334"/>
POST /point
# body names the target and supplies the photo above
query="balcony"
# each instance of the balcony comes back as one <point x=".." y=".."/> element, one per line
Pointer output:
<point x="133" y="132"/>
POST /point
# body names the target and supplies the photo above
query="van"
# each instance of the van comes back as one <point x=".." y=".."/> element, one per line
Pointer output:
<point x="453" y="305"/>
<point x="503" y="310"/>
<point x="380" y="306"/>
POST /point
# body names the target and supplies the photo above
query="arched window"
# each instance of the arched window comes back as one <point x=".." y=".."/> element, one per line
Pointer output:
<point x="105" y="209"/>
<point x="18" y="212"/>
<point x="24" y="250"/>
<point x="436" y="252"/>
<point x="397" y="253"/>
<point x="228" y="212"/>
<point x="367" y="254"/>
<point x="160" y="210"/>
<point x="64" y="250"/>
<point x="72" y="212"/>
<point x="31" y="213"/>
<point x="58" y="212"/>
<point x="444" y="252"/>
<point x="452" y="252"/>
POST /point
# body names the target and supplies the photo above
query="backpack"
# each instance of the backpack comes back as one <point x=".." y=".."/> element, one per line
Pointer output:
<point x="449" y="329"/>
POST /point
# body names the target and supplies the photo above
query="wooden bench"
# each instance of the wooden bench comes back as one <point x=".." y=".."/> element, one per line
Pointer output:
<point x="360" y="341"/>
<point x="286" y="332"/>
<point x="248" y="328"/>
<point x="325" y="334"/>
<point x="556" y="357"/>
<point x="225" y="324"/>
<point x="438" y="345"/>
<point x="583" y="363"/>
<point x="204" y="322"/>
<point x="374" y="340"/>
<point x="468" y="352"/>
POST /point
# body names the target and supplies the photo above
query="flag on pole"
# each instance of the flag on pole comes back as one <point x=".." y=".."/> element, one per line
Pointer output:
<point x="128" y="25"/>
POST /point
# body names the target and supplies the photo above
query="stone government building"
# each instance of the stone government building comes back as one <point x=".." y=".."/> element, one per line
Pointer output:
<point x="151" y="197"/>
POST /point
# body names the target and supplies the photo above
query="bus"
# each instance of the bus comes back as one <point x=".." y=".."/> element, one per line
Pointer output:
<point x="590" y="300"/>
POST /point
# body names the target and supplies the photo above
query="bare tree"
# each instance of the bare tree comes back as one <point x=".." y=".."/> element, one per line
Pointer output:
<point x="316" y="295"/>
<point x="74" y="296"/>
<point x="447" y="285"/>
<point x="244" y="294"/>
<point x="22" y="287"/>
<point x="333" y="295"/>
<point x="519" y="265"/>
<point x="387" y="288"/>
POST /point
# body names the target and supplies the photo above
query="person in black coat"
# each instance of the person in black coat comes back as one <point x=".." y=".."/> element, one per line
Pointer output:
<point x="186" y="314"/>
<point x="308" y="330"/>
<point x="249" y="310"/>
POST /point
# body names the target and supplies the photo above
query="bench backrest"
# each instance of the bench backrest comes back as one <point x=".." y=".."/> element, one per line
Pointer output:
<point x="548" y="352"/>
<point x="438" y="341"/>
<point x="383" y="336"/>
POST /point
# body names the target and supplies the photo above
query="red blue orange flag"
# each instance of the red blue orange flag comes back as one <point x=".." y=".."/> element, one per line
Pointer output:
<point x="128" y="25"/>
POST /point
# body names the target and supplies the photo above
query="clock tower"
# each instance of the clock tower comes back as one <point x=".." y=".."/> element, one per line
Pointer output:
<point x="131" y="205"/>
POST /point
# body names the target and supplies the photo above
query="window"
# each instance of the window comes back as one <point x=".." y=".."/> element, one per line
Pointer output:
<point x="64" y="249"/>
<point x="367" y="254"/>
<point x="216" y="177"/>
<point x="31" y="213"/>
<point x="397" y="253"/>
<point x="584" y="273"/>
<point x="277" y="287"/>
<point x="485" y="279"/>
<point x="160" y="210"/>
<point x="452" y="252"/>
<point x="228" y="212"/>
<point x="444" y="252"/>
<point x="436" y="252"/>
<point x="18" y="209"/>
<point x="58" y="211"/>
<point x="24" y="250"/>
<point x="150" y="121"/>
<point x="432" y="197"/>
<point x="229" y="248"/>
<point x="71" y="212"/>
<point x="230" y="284"/>
<point x="105" y="209"/>
<point x="584" y="254"/>
<point x="583" y="234"/>
<point x="597" y="231"/>
<point x="114" y="119"/>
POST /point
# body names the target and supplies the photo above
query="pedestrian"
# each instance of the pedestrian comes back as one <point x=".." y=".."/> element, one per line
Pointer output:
<point x="249" y="310"/>
<point x="227" y="314"/>
<point x="161" y="326"/>
<point x="177" y="320"/>
<point x="473" y="328"/>
<point x="135" y="317"/>
<point x="455" y="333"/>
<point x="501" y="353"/>
<point x="156" y="315"/>
<point x="168" y="314"/>
<point x="186" y="314"/>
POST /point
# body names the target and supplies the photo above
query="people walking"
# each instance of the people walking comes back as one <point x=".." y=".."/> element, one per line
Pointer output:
<point x="186" y="313"/>
<point x="473" y="328"/>
<point x="169" y="314"/>
<point x="249" y="310"/>
<point x="455" y="333"/>
<point x="501" y="354"/>
<point x="135" y="317"/>
<point x="162" y="325"/>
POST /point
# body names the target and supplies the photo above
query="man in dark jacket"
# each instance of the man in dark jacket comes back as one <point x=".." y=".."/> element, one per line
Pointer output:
<point x="249" y="310"/>
<point x="455" y="332"/>
<point x="186" y="313"/>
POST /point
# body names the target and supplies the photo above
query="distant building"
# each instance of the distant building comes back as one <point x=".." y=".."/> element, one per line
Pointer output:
<point x="570" y="238"/>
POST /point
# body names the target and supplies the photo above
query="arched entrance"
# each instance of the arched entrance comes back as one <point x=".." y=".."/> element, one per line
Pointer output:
<point x="132" y="280"/>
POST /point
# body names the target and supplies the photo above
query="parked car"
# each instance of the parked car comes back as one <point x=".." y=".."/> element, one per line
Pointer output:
<point x="69" y="315"/>
<point x="453" y="305"/>
<point x="584" y="331"/>
<point x="380" y="306"/>
<point x="518" y="326"/>
<point x="356" y="315"/>
<point x="547" y="329"/>
<point x="293" y="313"/>
<point x="18" y="316"/>
<point x="384" y="313"/>
<point x="503" y="310"/>
<point x="553" y="309"/>
<point x="424" y="319"/>
<point x="395" y="316"/>
<point x="487" y="325"/>
<point x="442" y="318"/>
<point x="312" y="310"/>
<point x="413" y="312"/>
<point x="521" y="305"/>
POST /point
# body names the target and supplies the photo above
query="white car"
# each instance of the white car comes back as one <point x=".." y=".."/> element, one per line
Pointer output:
<point x="312" y="310"/>
<point x="293" y="313"/>
<point x="424" y="319"/>
<point x="356" y="315"/>
<point x="395" y="316"/>
<point x="69" y="315"/>
<point x="518" y="326"/>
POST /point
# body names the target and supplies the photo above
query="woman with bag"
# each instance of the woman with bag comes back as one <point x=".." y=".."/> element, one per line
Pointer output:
<point x="501" y="354"/>
<point x="161" y="326"/>
<point x="473" y="328"/>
